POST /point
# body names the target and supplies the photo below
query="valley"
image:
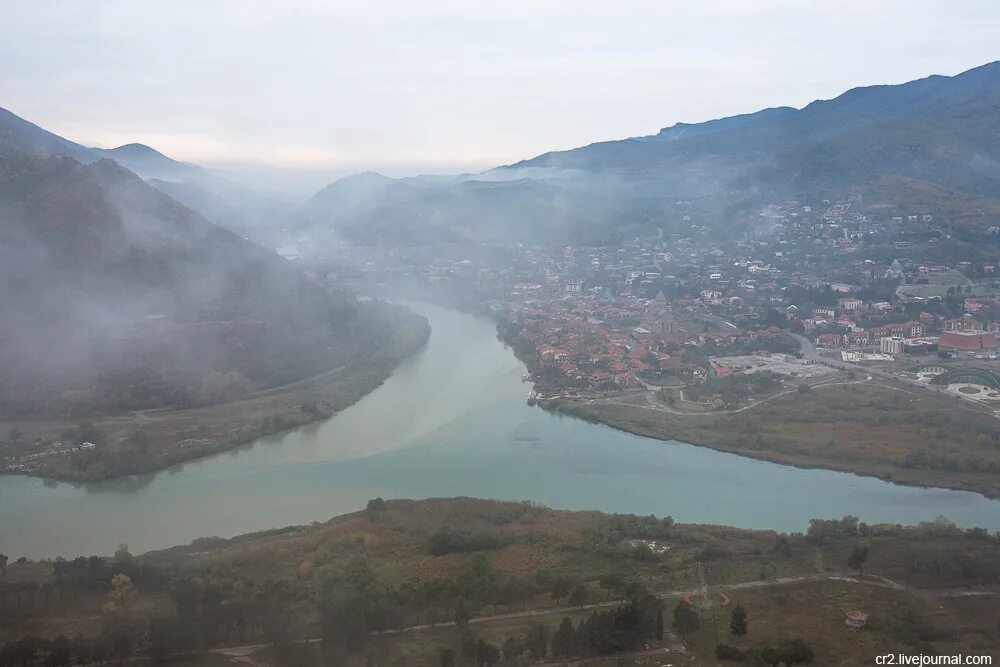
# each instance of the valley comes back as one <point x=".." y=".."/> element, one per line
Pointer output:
<point x="726" y="393"/>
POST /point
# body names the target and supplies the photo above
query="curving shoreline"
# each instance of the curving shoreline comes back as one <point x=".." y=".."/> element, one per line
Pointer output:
<point x="816" y="445"/>
<point x="428" y="431"/>
<point x="178" y="436"/>
<point x="571" y="409"/>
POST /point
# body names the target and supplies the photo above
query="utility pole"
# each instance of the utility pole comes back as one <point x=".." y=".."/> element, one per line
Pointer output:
<point x="703" y="580"/>
<point x="715" y="623"/>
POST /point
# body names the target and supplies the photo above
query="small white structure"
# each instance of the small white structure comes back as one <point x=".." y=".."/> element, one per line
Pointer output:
<point x="856" y="619"/>
<point x="891" y="345"/>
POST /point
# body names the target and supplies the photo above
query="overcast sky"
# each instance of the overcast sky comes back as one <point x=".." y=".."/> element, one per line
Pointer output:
<point x="436" y="85"/>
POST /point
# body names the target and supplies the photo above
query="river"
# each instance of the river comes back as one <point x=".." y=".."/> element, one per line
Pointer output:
<point x="451" y="421"/>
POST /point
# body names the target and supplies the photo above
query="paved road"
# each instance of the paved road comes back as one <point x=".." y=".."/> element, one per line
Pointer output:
<point x="141" y="417"/>
<point x="810" y="353"/>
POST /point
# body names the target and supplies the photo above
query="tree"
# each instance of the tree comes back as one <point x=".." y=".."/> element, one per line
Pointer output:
<point x="59" y="653"/>
<point x="447" y="658"/>
<point x="578" y="596"/>
<point x="536" y="642"/>
<point x="738" y="621"/>
<point x="486" y="653"/>
<point x="359" y="573"/>
<point x="119" y="641"/>
<point x="14" y="435"/>
<point x="121" y="588"/>
<point x="344" y="622"/>
<point x="512" y="649"/>
<point x="823" y="530"/>
<point x="376" y="507"/>
<point x="3" y="564"/>
<point x="856" y="560"/>
<point x="564" y="639"/>
<point x="462" y="615"/>
<point x="468" y="644"/>
<point x="561" y="587"/>
<point x="685" y="619"/>
<point x="122" y="555"/>
<point x="610" y="582"/>
<point x="659" y="624"/>
<point x="171" y="635"/>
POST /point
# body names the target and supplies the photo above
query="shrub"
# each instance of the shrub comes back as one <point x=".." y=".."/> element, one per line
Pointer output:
<point x="449" y="541"/>
<point x="727" y="652"/>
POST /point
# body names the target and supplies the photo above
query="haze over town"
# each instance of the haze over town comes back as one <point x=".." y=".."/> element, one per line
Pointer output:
<point x="519" y="334"/>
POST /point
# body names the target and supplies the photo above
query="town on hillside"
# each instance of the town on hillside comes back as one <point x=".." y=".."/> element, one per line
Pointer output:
<point x="842" y="284"/>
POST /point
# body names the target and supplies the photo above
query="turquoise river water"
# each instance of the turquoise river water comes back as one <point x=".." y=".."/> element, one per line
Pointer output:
<point x="451" y="421"/>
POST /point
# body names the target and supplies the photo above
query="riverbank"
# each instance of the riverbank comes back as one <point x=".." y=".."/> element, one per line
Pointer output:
<point x="901" y="435"/>
<point x="152" y="440"/>
<point x="428" y="431"/>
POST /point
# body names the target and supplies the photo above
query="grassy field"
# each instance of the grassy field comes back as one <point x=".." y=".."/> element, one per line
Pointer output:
<point x="816" y="613"/>
<point x="894" y="432"/>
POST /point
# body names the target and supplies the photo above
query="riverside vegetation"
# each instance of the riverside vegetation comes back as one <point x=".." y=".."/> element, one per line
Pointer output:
<point x="147" y="441"/>
<point x="486" y="582"/>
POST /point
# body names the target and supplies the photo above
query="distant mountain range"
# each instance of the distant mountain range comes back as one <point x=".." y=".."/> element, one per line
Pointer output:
<point x="935" y="141"/>
<point x="931" y="143"/>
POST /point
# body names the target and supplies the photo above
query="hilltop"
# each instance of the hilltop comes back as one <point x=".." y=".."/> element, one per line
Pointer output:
<point x="404" y="581"/>
<point x="237" y="208"/>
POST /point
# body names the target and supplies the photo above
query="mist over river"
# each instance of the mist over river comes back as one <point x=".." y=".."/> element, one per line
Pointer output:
<point x="451" y="421"/>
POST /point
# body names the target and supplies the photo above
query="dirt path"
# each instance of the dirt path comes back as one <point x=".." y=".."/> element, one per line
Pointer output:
<point x="870" y="580"/>
<point x="147" y="416"/>
<point x="298" y="383"/>
<point x="653" y="404"/>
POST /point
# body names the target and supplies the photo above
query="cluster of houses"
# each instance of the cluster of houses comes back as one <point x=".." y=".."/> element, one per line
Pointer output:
<point x="769" y="276"/>
<point x="929" y="332"/>
<point x="591" y="342"/>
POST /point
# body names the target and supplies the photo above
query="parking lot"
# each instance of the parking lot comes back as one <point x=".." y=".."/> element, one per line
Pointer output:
<point x="782" y="364"/>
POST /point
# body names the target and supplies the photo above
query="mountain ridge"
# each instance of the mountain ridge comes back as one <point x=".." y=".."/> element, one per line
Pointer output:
<point x="119" y="297"/>
<point x="216" y="198"/>
<point x="939" y="131"/>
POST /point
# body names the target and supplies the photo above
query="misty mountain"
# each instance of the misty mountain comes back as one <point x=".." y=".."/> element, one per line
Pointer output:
<point x="251" y="214"/>
<point x="116" y="296"/>
<point x="742" y="121"/>
<point x="371" y="208"/>
<point x="939" y="136"/>
<point x="149" y="163"/>
<point x="941" y="130"/>
<point x="219" y="200"/>
<point x="17" y="133"/>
